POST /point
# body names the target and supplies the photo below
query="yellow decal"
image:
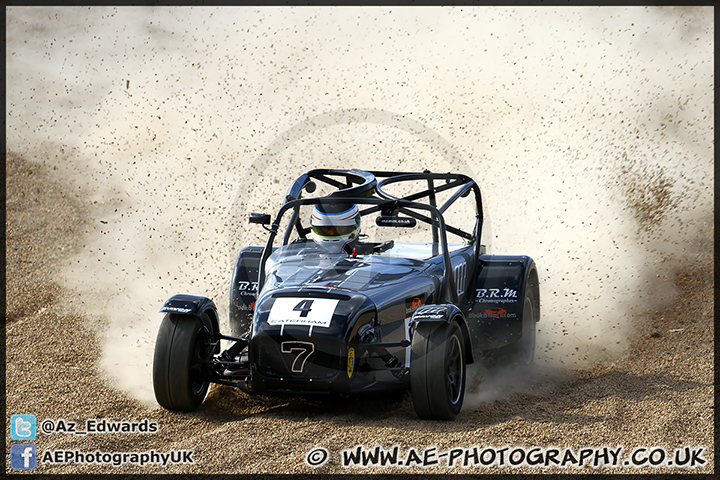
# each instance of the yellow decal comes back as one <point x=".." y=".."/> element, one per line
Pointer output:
<point x="351" y="362"/>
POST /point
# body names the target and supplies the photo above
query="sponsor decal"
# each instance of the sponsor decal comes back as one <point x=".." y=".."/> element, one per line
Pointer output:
<point x="389" y="221"/>
<point x="494" y="312"/>
<point x="247" y="288"/>
<point x="351" y="362"/>
<point x="413" y="303"/>
<point x="247" y="308"/>
<point x="496" y="295"/>
<point x="176" y="309"/>
<point x="429" y="312"/>
<point x="312" y="312"/>
<point x="428" y="315"/>
<point x="432" y="310"/>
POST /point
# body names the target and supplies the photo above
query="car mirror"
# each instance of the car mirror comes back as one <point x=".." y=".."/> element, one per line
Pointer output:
<point x="261" y="218"/>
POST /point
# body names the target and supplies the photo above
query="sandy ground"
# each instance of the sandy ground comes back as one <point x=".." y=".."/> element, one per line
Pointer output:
<point x="660" y="394"/>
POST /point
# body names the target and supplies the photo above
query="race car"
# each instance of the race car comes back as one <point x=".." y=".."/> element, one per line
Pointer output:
<point x="324" y="309"/>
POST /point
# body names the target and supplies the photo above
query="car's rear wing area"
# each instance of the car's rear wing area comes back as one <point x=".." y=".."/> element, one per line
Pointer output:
<point x="501" y="285"/>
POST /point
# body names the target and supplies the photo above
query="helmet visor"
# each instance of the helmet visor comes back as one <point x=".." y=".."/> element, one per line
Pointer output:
<point x="333" y="230"/>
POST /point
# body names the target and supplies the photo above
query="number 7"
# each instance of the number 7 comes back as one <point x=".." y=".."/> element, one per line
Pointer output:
<point x="303" y="349"/>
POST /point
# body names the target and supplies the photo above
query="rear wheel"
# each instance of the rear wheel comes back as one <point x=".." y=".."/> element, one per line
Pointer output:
<point x="437" y="371"/>
<point x="181" y="349"/>
<point x="522" y="352"/>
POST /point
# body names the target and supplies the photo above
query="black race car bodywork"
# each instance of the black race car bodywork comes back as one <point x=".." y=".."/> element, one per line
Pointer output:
<point x="383" y="316"/>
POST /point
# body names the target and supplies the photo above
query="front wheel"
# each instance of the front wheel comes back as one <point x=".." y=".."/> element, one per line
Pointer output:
<point x="437" y="371"/>
<point x="179" y="361"/>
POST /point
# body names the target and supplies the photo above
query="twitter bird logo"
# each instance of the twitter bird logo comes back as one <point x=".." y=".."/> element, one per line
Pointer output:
<point x="23" y="427"/>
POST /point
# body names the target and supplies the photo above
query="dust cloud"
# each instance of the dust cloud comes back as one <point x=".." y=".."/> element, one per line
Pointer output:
<point x="589" y="131"/>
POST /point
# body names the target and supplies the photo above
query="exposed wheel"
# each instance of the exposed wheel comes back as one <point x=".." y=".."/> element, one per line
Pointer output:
<point x="522" y="352"/>
<point x="437" y="370"/>
<point x="178" y="368"/>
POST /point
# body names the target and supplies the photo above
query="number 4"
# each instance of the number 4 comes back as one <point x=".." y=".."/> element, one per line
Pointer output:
<point x="303" y="307"/>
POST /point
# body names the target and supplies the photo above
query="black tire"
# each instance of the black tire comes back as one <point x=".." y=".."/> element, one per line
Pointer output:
<point x="178" y="370"/>
<point x="437" y="371"/>
<point x="522" y="352"/>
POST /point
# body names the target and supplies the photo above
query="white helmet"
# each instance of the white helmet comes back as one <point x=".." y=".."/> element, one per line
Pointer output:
<point x="335" y="225"/>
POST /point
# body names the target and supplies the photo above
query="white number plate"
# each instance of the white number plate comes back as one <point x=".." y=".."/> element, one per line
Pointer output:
<point x="314" y="312"/>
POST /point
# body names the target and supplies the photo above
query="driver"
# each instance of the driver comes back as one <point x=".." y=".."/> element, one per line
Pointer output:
<point x="336" y="226"/>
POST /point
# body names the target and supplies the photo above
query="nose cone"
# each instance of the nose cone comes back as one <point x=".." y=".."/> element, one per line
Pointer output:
<point x="305" y="334"/>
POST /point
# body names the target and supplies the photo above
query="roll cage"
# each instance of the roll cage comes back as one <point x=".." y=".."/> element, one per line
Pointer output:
<point x="363" y="188"/>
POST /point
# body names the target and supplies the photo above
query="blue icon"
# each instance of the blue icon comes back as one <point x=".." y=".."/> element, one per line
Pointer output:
<point x="23" y="427"/>
<point x="23" y="456"/>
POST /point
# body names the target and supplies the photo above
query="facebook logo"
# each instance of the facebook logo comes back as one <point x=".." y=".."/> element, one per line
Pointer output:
<point x="23" y="456"/>
<point x="23" y="427"/>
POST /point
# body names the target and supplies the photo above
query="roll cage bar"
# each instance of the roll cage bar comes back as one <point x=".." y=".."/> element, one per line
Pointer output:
<point x="362" y="188"/>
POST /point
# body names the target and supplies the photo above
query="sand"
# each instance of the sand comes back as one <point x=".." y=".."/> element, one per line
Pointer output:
<point x="659" y="394"/>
